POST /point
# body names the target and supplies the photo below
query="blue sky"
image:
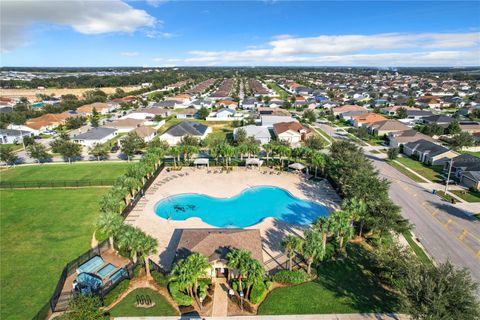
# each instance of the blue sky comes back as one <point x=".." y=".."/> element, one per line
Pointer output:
<point x="168" y="33"/>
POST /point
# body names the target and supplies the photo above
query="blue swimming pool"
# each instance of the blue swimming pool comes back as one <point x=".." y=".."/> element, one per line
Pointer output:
<point x="246" y="209"/>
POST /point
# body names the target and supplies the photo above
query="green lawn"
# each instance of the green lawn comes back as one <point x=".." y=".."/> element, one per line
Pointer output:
<point x="280" y="91"/>
<point x="76" y="171"/>
<point x="341" y="287"/>
<point x="15" y="147"/>
<point x="422" y="256"/>
<point x="432" y="173"/>
<point x="127" y="307"/>
<point x="322" y="134"/>
<point x="473" y="153"/>
<point x="467" y="195"/>
<point x="220" y="129"/>
<point x="40" y="231"/>
<point x="409" y="174"/>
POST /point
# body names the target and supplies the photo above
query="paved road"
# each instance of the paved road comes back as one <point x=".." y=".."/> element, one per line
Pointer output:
<point x="438" y="225"/>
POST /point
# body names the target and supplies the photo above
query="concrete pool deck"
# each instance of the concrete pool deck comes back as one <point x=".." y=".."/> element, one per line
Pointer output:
<point x="190" y="180"/>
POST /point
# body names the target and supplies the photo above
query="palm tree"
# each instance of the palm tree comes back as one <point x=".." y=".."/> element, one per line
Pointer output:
<point x="148" y="246"/>
<point x="242" y="150"/>
<point x="182" y="274"/>
<point x="357" y="209"/>
<point x="268" y="150"/>
<point x="291" y="244"/>
<point x="253" y="149"/>
<point x="175" y="152"/>
<point x="110" y="223"/>
<point x="343" y="227"/>
<point x="324" y="226"/>
<point x="110" y="203"/>
<point x="130" y="184"/>
<point x="239" y="259"/>
<point x="318" y="161"/>
<point x="256" y="272"/>
<point x="130" y="240"/>
<point x="312" y="248"/>
<point x="283" y="151"/>
<point x="198" y="265"/>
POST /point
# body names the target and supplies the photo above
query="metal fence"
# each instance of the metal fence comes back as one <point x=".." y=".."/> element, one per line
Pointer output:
<point x="55" y="183"/>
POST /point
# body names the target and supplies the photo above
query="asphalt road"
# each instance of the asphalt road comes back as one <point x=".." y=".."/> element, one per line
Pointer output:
<point x="445" y="231"/>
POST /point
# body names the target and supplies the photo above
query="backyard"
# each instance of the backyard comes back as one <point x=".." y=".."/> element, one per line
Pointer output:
<point x="40" y="231"/>
<point x="220" y="129"/>
<point x="343" y="286"/>
<point x="77" y="171"/>
<point x="281" y="92"/>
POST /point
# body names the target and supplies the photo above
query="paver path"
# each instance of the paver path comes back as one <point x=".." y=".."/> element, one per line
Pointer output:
<point x="220" y="298"/>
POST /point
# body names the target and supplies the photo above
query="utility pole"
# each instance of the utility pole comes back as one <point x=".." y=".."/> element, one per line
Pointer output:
<point x="448" y="177"/>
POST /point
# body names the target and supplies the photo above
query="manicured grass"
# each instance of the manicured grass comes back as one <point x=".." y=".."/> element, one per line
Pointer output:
<point x="323" y="134"/>
<point x="76" y="171"/>
<point x="473" y="153"/>
<point x="432" y="173"/>
<point x="444" y="196"/>
<point x="15" y="147"/>
<point x="280" y="91"/>
<point x="40" y="231"/>
<point x="422" y="256"/>
<point x="345" y="286"/>
<point x="127" y="307"/>
<point x="467" y="195"/>
<point x="409" y="174"/>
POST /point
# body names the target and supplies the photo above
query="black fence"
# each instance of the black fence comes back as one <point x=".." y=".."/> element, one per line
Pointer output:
<point x="53" y="304"/>
<point x="55" y="183"/>
<point x="126" y="211"/>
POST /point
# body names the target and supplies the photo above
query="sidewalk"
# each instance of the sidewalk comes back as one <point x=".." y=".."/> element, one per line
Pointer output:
<point x="352" y="316"/>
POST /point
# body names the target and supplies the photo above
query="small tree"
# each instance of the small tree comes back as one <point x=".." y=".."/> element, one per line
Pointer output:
<point x="454" y="127"/>
<point x="131" y="144"/>
<point x="463" y="139"/>
<point x="315" y="143"/>
<point x="203" y="113"/>
<point x="241" y="136"/>
<point x="37" y="151"/>
<point x="94" y="118"/>
<point x="99" y="150"/>
<point x="309" y="116"/>
<point x="291" y="244"/>
<point x="402" y="113"/>
<point x="69" y="149"/>
<point x="392" y="153"/>
<point x="8" y="155"/>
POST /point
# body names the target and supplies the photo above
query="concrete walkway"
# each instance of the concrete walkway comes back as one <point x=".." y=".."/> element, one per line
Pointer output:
<point x="220" y="298"/>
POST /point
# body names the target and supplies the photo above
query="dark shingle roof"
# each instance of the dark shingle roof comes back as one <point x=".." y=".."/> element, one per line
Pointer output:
<point x="187" y="128"/>
<point x="95" y="134"/>
<point x="425" y="146"/>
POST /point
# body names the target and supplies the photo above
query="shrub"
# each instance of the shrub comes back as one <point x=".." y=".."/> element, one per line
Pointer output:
<point x="268" y="284"/>
<point x="116" y="292"/>
<point x="137" y="270"/>
<point x="160" y="278"/>
<point x="293" y="277"/>
<point x="259" y="290"/>
<point x="177" y="295"/>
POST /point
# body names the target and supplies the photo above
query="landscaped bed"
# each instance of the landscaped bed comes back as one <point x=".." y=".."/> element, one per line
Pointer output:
<point x="128" y="306"/>
<point x="345" y="286"/>
<point x="76" y="171"/>
<point x="40" y="231"/>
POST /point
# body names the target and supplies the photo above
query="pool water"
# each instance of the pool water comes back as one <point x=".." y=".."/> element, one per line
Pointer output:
<point x="246" y="209"/>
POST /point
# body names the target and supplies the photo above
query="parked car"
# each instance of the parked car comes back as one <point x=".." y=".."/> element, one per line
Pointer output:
<point x="114" y="148"/>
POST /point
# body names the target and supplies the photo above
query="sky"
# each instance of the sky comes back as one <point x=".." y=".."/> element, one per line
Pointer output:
<point x="156" y="33"/>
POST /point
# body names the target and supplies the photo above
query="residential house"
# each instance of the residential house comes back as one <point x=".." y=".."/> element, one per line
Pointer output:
<point x="292" y="132"/>
<point x="364" y="119"/>
<point x="470" y="126"/>
<point x="224" y="114"/>
<point x="249" y="103"/>
<point x="439" y="119"/>
<point x="398" y="138"/>
<point x="382" y="128"/>
<point x="93" y="136"/>
<point x="11" y="136"/>
<point x="349" y="114"/>
<point x="124" y="125"/>
<point x="200" y="103"/>
<point x="100" y="107"/>
<point x="337" y="111"/>
<point x="47" y="122"/>
<point x="258" y="133"/>
<point x="215" y="244"/>
<point x="148" y="113"/>
<point x="269" y="120"/>
<point x="430" y="101"/>
<point x="176" y="132"/>
<point x="226" y="104"/>
<point x="392" y="111"/>
<point x="187" y="113"/>
<point x="428" y="152"/>
<point x="418" y="114"/>
<point x="182" y="99"/>
<point x="145" y="132"/>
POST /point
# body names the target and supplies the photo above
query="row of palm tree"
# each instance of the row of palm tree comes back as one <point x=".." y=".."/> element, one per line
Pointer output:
<point x="338" y="226"/>
<point x="129" y="239"/>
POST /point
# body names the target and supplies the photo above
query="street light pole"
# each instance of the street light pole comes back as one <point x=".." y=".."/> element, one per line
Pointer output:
<point x="448" y="177"/>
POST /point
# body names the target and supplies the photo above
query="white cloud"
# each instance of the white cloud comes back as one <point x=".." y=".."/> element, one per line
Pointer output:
<point x="159" y="34"/>
<point x="87" y="17"/>
<point x="130" y="53"/>
<point x="431" y="49"/>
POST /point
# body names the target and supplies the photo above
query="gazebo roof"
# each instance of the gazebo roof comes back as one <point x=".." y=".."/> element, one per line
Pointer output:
<point x="200" y="161"/>
<point x="253" y="161"/>
<point x="296" y="166"/>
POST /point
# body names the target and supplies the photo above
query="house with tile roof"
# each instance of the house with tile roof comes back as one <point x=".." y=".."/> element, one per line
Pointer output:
<point x="384" y="127"/>
<point x="291" y="132"/>
<point x="365" y="119"/>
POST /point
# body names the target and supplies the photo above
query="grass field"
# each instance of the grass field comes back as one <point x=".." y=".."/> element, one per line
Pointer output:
<point x="281" y="92"/>
<point x="422" y="256"/>
<point x="432" y="173"/>
<point x="40" y="231"/>
<point x="341" y="287"/>
<point x="467" y="195"/>
<point x="127" y="308"/>
<point x="31" y="93"/>
<point x="409" y="174"/>
<point x="77" y="171"/>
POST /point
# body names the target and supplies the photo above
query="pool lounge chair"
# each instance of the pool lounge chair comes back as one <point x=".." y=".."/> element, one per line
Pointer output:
<point x="91" y="265"/>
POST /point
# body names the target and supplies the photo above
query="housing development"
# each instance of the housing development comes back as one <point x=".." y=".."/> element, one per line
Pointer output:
<point x="329" y="174"/>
